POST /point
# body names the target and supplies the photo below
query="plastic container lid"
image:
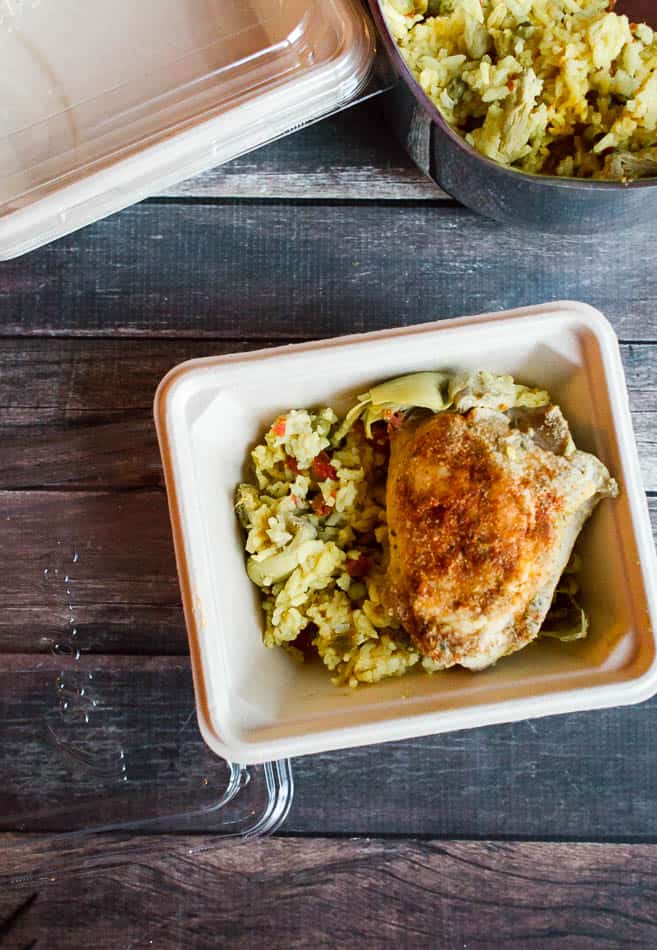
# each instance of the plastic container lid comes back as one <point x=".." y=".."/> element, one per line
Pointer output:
<point x="110" y="743"/>
<point x="102" y="104"/>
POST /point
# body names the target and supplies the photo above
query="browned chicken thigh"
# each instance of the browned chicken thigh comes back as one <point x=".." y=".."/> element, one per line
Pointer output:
<point x="482" y="519"/>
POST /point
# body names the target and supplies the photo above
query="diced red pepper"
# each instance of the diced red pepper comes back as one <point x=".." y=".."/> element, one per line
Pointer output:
<point x="393" y="419"/>
<point x="358" y="567"/>
<point x="292" y="464"/>
<point x="322" y="469"/>
<point x="320" y="507"/>
<point x="278" y="427"/>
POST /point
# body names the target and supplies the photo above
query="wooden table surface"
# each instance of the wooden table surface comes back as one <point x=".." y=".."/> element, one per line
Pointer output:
<point x="540" y="834"/>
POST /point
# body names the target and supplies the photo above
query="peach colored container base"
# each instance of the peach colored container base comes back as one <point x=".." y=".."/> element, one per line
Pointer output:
<point x="256" y="704"/>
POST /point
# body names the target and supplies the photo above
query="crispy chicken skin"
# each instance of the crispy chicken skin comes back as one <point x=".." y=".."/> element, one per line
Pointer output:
<point x="482" y="519"/>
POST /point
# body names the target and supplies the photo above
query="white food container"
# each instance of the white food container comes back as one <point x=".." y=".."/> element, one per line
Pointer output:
<point x="254" y="703"/>
<point x="103" y="104"/>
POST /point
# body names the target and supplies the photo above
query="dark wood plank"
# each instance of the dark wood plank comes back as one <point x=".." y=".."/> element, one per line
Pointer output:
<point x="275" y="271"/>
<point x="77" y="413"/>
<point x="96" y="376"/>
<point x="86" y="548"/>
<point x="585" y="776"/>
<point x="116" y="375"/>
<point x="136" y="629"/>
<point x="352" y="155"/>
<point x="48" y="448"/>
<point x="99" y="563"/>
<point x="172" y="893"/>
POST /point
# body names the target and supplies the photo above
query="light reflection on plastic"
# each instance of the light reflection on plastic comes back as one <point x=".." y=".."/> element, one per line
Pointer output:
<point x="12" y="10"/>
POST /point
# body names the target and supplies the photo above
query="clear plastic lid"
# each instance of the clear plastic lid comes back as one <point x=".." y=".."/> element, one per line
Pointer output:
<point x="101" y="104"/>
<point x="110" y="743"/>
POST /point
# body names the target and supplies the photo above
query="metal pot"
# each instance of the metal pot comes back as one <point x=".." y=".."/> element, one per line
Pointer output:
<point x="536" y="202"/>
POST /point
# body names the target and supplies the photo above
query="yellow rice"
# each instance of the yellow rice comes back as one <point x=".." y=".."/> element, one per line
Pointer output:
<point x="564" y="87"/>
<point x="355" y="637"/>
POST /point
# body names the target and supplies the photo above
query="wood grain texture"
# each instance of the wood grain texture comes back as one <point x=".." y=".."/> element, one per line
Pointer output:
<point x="118" y="628"/>
<point x="281" y="271"/>
<point x="586" y="776"/>
<point x="351" y="156"/>
<point x="86" y="548"/>
<point x="171" y="892"/>
<point x="77" y="413"/>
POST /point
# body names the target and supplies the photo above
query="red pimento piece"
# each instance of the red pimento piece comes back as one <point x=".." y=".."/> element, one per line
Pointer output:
<point x="278" y="427"/>
<point x="394" y="420"/>
<point x="320" y="507"/>
<point x="322" y="469"/>
<point x="358" y="567"/>
<point x="292" y="464"/>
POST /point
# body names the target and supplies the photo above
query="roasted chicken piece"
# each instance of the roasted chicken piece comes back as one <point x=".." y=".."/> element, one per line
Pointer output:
<point x="483" y="510"/>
